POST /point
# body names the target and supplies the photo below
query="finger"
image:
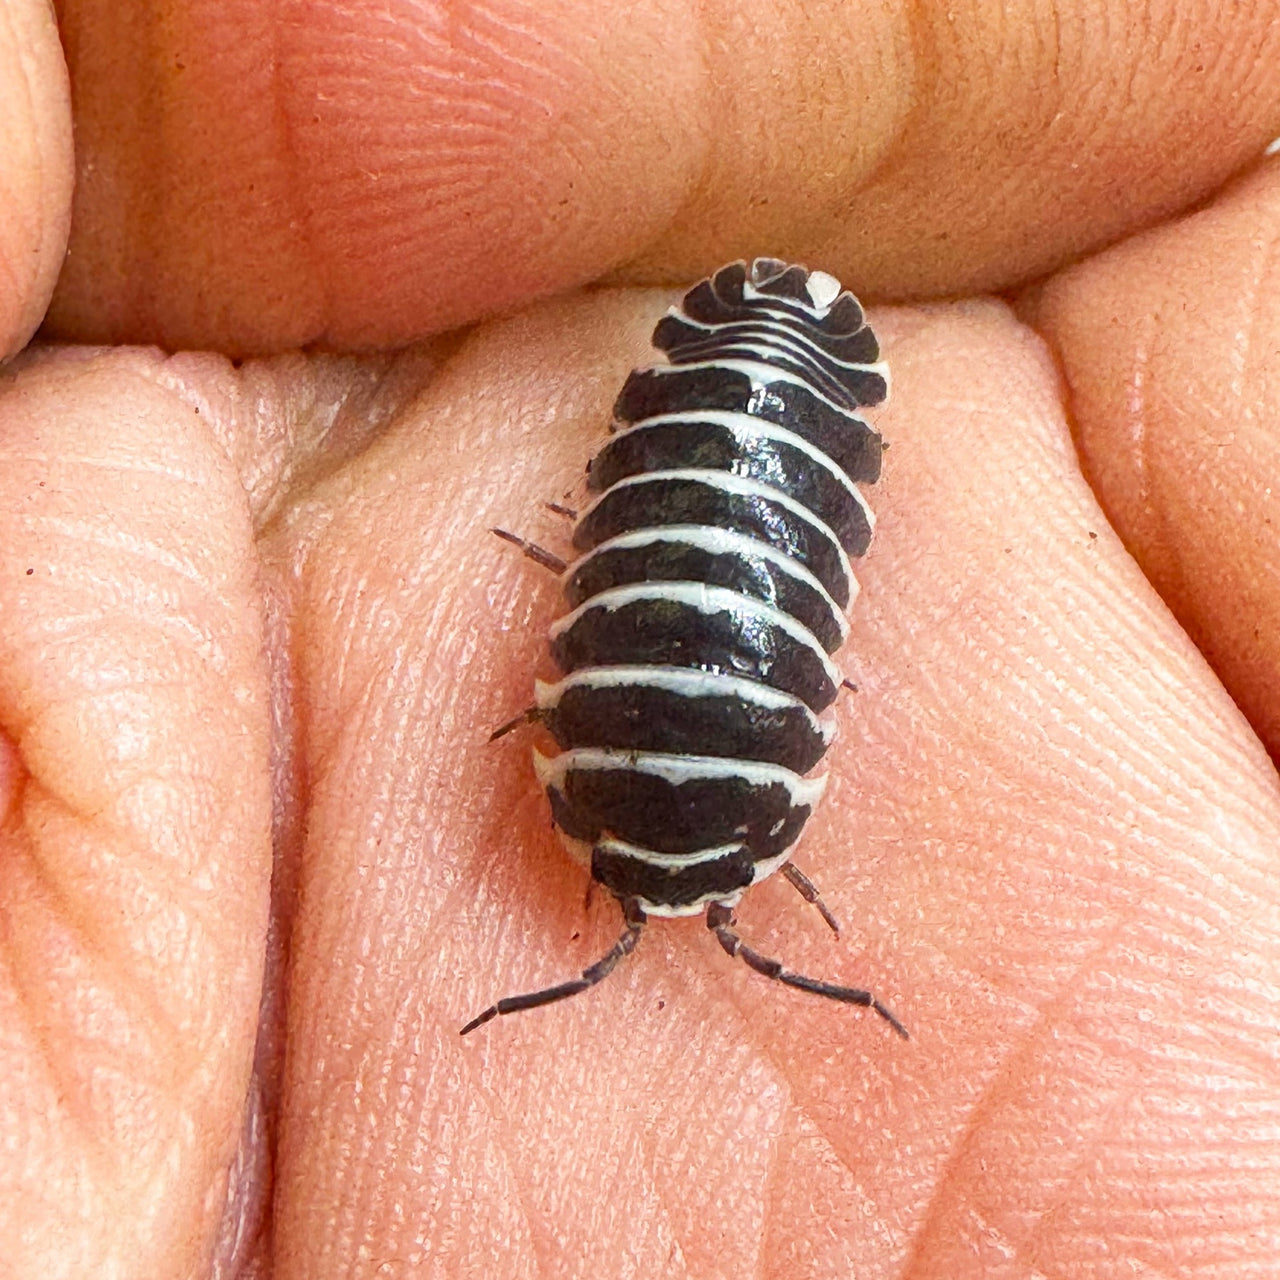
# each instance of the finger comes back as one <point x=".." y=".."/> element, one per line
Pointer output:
<point x="135" y="845"/>
<point x="1021" y="136"/>
<point x="35" y="167"/>
<point x="363" y="175"/>
<point x="371" y="174"/>
<point x="1171" y="348"/>
<point x="1039" y="796"/>
<point x="1081" y="831"/>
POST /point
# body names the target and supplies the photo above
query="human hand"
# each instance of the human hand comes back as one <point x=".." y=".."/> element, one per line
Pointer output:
<point x="263" y="609"/>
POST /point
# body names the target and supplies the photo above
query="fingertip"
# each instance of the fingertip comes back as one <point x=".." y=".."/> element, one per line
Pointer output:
<point x="36" y="167"/>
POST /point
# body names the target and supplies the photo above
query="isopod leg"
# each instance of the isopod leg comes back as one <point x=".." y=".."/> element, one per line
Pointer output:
<point x="809" y="892"/>
<point x="548" y="560"/>
<point x="720" y="921"/>
<point x="530" y="716"/>
<point x="625" y="945"/>
<point x="539" y="555"/>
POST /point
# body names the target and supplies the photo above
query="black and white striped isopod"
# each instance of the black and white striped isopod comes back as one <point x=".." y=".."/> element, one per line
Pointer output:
<point x="706" y="604"/>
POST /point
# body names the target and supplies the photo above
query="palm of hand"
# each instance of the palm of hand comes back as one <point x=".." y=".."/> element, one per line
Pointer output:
<point x="257" y="606"/>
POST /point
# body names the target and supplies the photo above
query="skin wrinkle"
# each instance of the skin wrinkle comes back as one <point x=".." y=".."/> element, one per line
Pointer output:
<point x="700" y="178"/>
<point x="921" y="93"/>
<point x="479" y="117"/>
<point x="148" y="1020"/>
<point x="362" y="1176"/>
<point x="93" y="534"/>
<point x="1136" y="411"/>
<point x="1122" y="94"/>
<point x="653" y="1186"/>
<point x="519" y="91"/>
<point x="780" y="1100"/>
<point x="537" y="1230"/>
<point x="12" y="284"/>
<point x="1242" y="349"/>
<point x="35" y="1026"/>
<point x="839" y="1148"/>
<point x="540" y="65"/>
<point x="981" y="1114"/>
<point x="764" y="178"/>
<point x="1054" y="43"/>
<point x="96" y="462"/>
<point x="335" y="604"/>
<point x="110" y="955"/>
<point x="244" y="1225"/>
<point x="1032" y="1244"/>
<point x="362" y="617"/>
<point x="320" y="286"/>
<point x="1151" y="502"/>
<point x="977" y="1117"/>
<point x="129" y="783"/>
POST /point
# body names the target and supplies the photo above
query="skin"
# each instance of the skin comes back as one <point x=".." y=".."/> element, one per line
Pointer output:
<point x="254" y="632"/>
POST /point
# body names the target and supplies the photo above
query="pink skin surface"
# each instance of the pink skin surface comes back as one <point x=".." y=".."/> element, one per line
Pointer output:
<point x="258" y="862"/>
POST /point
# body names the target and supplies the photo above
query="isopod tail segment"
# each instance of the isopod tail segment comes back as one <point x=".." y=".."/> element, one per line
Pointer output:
<point x="720" y="920"/>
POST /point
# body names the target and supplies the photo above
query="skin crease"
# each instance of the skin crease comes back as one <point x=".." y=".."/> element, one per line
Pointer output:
<point x="264" y="613"/>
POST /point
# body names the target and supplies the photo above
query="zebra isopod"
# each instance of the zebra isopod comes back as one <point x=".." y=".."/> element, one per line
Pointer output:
<point x="705" y="607"/>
